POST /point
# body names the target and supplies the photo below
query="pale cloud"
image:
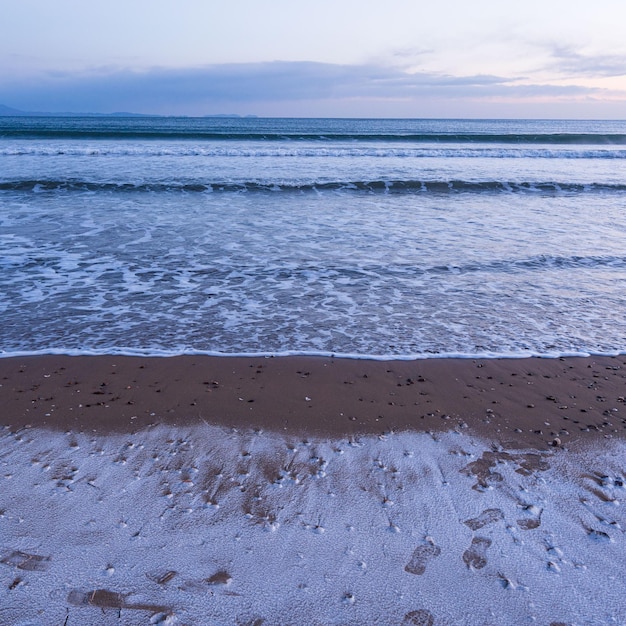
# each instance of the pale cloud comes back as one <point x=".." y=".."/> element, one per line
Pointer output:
<point x="573" y="63"/>
<point x="210" y="89"/>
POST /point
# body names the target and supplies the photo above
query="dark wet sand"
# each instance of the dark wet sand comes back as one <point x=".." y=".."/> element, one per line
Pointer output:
<point x="521" y="402"/>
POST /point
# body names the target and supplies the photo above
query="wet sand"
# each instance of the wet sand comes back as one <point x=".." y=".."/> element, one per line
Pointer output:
<point x="522" y="402"/>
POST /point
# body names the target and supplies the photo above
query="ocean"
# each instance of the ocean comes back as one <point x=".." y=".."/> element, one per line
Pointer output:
<point x="362" y="238"/>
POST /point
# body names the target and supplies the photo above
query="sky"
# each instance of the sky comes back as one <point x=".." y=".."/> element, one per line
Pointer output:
<point x="328" y="58"/>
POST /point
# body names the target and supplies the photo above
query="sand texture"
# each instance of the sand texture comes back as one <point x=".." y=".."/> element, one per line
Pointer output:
<point x="200" y="490"/>
<point x="524" y="401"/>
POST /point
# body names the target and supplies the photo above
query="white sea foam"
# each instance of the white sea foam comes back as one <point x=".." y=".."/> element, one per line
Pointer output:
<point x="155" y="352"/>
<point x="98" y="149"/>
<point x="198" y="525"/>
<point x="362" y="280"/>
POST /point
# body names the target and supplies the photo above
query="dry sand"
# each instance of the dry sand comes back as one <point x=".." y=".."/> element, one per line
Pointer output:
<point x="200" y="490"/>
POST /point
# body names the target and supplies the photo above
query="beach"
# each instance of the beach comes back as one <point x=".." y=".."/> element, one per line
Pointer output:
<point x="284" y="371"/>
<point x="289" y="490"/>
<point x="525" y="402"/>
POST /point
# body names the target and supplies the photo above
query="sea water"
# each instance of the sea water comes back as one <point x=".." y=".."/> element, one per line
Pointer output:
<point x="371" y="238"/>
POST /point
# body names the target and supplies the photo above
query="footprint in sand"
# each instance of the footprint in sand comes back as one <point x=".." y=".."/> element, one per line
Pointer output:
<point x="162" y="578"/>
<point x="475" y="557"/>
<point x="533" y="522"/>
<point x="221" y="579"/>
<point x="488" y="516"/>
<point x="421" y="617"/>
<point x="421" y="555"/>
<point x="25" y="561"/>
<point x="97" y="597"/>
<point x="106" y="599"/>
<point x="529" y="524"/>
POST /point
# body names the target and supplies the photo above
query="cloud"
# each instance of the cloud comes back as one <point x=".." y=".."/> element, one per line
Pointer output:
<point x="568" y="61"/>
<point x="213" y="88"/>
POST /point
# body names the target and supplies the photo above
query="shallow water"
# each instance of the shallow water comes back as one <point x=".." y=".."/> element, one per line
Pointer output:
<point x="399" y="238"/>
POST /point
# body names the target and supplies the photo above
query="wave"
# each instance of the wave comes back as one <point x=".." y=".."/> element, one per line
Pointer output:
<point x="373" y="186"/>
<point x="309" y="152"/>
<point x="193" y="133"/>
<point x="303" y="273"/>
<point x="539" y="263"/>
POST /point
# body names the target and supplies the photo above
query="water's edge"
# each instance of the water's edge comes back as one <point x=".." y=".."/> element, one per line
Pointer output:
<point x="150" y="353"/>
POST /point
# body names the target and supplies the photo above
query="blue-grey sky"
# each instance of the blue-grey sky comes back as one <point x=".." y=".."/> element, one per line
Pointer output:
<point x="360" y="58"/>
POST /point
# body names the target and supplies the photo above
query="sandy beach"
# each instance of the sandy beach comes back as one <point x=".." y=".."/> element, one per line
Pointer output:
<point x="522" y="402"/>
<point x="292" y="490"/>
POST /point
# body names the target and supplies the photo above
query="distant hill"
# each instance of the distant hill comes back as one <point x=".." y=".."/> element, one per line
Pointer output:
<point x="6" y="111"/>
<point x="9" y="112"/>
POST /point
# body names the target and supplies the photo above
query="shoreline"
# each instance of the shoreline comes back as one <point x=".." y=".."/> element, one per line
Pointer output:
<point x="531" y="402"/>
<point x="421" y="356"/>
